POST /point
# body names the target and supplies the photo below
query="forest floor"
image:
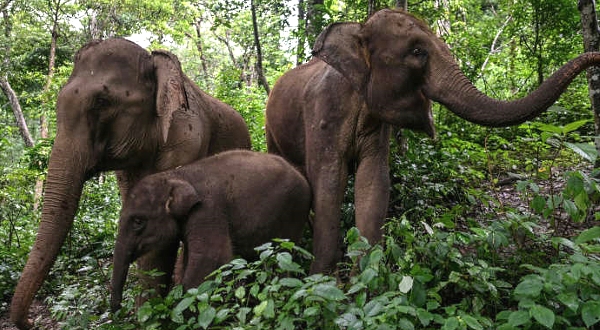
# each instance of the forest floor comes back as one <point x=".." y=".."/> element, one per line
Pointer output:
<point x="505" y="193"/>
<point x="38" y="313"/>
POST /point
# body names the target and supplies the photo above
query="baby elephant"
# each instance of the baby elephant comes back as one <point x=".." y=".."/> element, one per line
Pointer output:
<point x="219" y="206"/>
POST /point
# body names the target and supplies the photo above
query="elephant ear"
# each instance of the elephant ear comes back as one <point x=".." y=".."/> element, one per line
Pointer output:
<point x="343" y="46"/>
<point x="170" y="93"/>
<point x="181" y="199"/>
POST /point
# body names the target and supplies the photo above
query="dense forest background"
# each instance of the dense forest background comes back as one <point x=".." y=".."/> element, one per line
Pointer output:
<point x="487" y="228"/>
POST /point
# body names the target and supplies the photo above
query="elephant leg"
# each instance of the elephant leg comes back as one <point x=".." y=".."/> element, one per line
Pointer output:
<point x="371" y="195"/>
<point x="205" y="254"/>
<point x="328" y="186"/>
<point x="162" y="261"/>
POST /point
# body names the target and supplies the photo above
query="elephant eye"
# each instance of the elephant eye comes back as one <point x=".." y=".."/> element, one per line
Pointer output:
<point x="138" y="223"/>
<point x="419" y="51"/>
<point x="101" y="102"/>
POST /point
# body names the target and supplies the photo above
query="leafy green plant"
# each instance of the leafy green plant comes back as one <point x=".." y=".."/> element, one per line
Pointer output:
<point x="566" y="294"/>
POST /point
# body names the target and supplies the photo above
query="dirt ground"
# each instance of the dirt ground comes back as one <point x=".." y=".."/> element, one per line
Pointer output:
<point x="40" y="315"/>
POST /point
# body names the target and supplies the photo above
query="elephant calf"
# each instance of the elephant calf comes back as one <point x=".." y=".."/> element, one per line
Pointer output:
<point x="219" y="206"/>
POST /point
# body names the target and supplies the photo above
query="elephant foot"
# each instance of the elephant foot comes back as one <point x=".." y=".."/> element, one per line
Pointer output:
<point x="24" y="324"/>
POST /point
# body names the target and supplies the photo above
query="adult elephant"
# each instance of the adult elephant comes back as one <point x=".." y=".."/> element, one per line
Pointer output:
<point x="128" y="110"/>
<point x="330" y="116"/>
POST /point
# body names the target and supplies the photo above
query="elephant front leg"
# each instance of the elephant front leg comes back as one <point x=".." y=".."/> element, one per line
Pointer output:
<point x="371" y="196"/>
<point x="211" y="249"/>
<point x="161" y="261"/>
<point x="328" y="191"/>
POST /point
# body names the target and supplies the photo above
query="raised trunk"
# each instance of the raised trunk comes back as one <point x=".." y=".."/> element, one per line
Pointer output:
<point x="451" y="88"/>
<point x="122" y="258"/>
<point x="66" y="175"/>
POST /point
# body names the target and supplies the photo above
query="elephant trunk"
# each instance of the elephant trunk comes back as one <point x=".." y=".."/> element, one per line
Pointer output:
<point x="64" y="183"/>
<point x="122" y="258"/>
<point x="450" y="87"/>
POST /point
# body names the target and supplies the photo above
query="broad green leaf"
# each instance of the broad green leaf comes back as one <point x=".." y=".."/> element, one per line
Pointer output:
<point x="548" y="128"/>
<point x="590" y="313"/>
<point x="571" y="208"/>
<point x="570" y="127"/>
<point x="518" y="318"/>
<point x="586" y="150"/>
<point x="406" y="284"/>
<point x="290" y="282"/>
<point x="373" y="308"/>
<point x="284" y="261"/>
<point x="368" y="275"/>
<point x="424" y="316"/>
<point x="259" y="309"/>
<point x="588" y="235"/>
<point x="472" y="322"/>
<point x="542" y="315"/>
<point x="569" y="299"/>
<point x="183" y="305"/>
<point x="311" y="311"/>
<point x="538" y="203"/>
<point x="240" y="292"/>
<point x="329" y="292"/>
<point x="404" y="324"/>
<point x="269" y="311"/>
<point x="451" y="323"/>
<point x="206" y="317"/>
<point x="529" y="287"/>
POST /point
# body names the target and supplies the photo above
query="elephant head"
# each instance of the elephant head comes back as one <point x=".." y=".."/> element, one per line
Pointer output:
<point x="150" y="221"/>
<point x="123" y="109"/>
<point x="394" y="97"/>
<point x="394" y="59"/>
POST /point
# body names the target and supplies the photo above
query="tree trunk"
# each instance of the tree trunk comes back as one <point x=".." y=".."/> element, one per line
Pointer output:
<point x="300" y="50"/>
<point x="225" y="41"/>
<point x="5" y="84"/>
<point x="197" y="25"/>
<point x="591" y="42"/>
<point x="402" y="4"/>
<point x="259" y="67"/>
<point x="314" y="21"/>
<point x="16" y="107"/>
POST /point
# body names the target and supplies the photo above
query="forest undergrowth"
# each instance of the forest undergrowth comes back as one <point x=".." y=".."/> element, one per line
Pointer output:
<point x="497" y="235"/>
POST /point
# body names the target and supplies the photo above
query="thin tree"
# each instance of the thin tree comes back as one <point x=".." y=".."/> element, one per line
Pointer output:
<point x="300" y="48"/>
<point x="200" y="47"/>
<point x="4" y="82"/>
<point x="54" y="10"/>
<point x="259" y="67"/>
<point x="314" y="22"/>
<point x="591" y="42"/>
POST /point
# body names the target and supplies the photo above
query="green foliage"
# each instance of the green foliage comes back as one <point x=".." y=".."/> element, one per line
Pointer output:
<point x="564" y="294"/>
<point x="18" y="219"/>
<point x="453" y="256"/>
<point x="77" y="285"/>
<point x="248" y="101"/>
<point x="420" y="280"/>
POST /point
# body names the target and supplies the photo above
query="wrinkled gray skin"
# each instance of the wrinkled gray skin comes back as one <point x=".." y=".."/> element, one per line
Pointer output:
<point x="128" y="110"/>
<point x="219" y="206"/>
<point x="330" y="117"/>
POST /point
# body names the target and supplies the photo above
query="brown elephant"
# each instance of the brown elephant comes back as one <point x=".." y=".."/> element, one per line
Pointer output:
<point x="127" y="110"/>
<point x="220" y="206"/>
<point x="330" y="116"/>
